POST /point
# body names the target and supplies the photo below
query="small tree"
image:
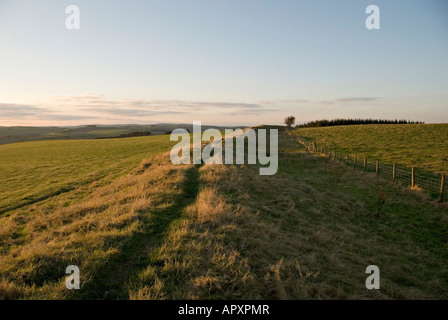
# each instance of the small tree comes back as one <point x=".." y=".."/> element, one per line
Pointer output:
<point x="289" y="121"/>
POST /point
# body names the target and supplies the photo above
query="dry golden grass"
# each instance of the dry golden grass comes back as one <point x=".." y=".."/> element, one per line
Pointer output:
<point x="301" y="234"/>
<point x="39" y="242"/>
<point x="209" y="207"/>
<point x="224" y="232"/>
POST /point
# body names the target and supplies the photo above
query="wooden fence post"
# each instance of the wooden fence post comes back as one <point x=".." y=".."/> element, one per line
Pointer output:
<point x="413" y="178"/>
<point x="334" y="156"/>
<point x="377" y="166"/>
<point x="354" y="163"/>
<point x="441" y="188"/>
<point x="365" y="164"/>
<point x="393" y="172"/>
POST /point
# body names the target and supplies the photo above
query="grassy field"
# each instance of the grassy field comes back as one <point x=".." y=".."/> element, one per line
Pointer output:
<point x="422" y="145"/>
<point x="160" y="231"/>
<point x="33" y="171"/>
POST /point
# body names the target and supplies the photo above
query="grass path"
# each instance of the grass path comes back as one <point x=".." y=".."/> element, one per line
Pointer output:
<point x="112" y="281"/>
<point x="309" y="232"/>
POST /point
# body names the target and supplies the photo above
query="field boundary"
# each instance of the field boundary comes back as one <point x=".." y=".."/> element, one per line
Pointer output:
<point x="434" y="184"/>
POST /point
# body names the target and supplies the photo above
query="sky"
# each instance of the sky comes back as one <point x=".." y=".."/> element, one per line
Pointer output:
<point x="223" y="62"/>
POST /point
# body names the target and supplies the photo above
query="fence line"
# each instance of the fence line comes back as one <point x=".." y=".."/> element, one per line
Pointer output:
<point x="434" y="184"/>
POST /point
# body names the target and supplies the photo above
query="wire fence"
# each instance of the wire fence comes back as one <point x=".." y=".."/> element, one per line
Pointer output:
<point x="434" y="184"/>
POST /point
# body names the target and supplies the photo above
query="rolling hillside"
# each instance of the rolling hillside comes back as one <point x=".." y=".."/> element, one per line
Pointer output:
<point x="22" y="134"/>
<point x="33" y="171"/>
<point x="152" y="230"/>
<point x="421" y="145"/>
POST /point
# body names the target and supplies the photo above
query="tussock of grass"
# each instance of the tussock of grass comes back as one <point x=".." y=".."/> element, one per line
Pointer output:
<point x="90" y="233"/>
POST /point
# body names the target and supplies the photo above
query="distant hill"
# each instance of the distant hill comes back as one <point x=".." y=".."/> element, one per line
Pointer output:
<point x="94" y="131"/>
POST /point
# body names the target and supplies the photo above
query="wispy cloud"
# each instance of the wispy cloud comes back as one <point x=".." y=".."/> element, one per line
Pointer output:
<point x="11" y="111"/>
<point x="302" y="101"/>
<point x="349" y="100"/>
<point x="98" y="103"/>
<point x="357" y="99"/>
<point x="129" y="112"/>
<point x="99" y="109"/>
<point x="284" y="101"/>
<point x="92" y="108"/>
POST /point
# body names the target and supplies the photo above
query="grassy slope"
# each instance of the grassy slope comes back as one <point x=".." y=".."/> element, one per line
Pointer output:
<point x="309" y="232"/>
<point x="32" y="171"/>
<point x="165" y="231"/>
<point x="424" y="146"/>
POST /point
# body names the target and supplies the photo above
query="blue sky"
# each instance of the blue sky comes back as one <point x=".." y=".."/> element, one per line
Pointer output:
<point x="227" y="62"/>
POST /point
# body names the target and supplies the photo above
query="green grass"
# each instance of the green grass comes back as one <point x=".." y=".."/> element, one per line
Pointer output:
<point x="422" y="145"/>
<point x="153" y="230"/>
<point x="33" y="171"/>
<point x="301" y="234"/>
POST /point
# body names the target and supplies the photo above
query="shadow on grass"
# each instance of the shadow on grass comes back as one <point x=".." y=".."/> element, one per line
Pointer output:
<point x="112" y="280"/>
